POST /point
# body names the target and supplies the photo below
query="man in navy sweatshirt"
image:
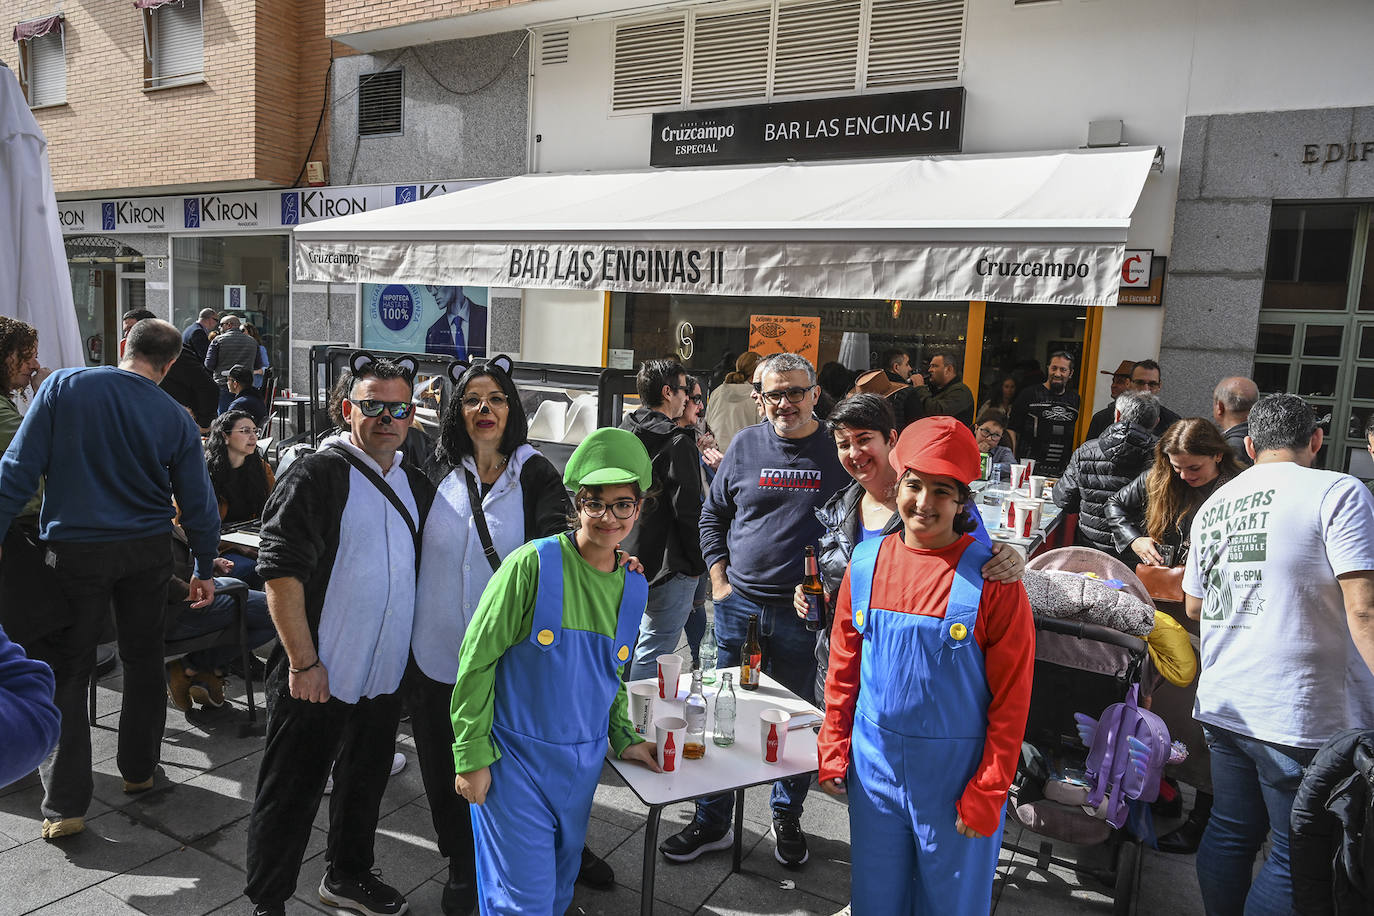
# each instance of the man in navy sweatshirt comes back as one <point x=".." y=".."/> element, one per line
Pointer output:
<point x="114" y="449"/>
<point x="755" y="525"/>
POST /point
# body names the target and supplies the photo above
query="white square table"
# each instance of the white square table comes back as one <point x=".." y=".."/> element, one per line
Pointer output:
<point x="723" y="769"/>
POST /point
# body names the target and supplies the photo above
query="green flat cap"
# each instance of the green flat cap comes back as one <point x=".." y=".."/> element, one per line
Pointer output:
<point x="609" y="456"/>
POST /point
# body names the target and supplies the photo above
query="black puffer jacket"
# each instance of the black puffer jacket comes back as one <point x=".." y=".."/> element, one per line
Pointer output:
<point x="840" y="516"/>
<point x="1097" y="470"/>
<point x="1332" y="829"/>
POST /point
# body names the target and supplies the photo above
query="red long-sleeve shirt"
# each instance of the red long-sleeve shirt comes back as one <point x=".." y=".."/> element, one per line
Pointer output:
<point x="917" y="581"/>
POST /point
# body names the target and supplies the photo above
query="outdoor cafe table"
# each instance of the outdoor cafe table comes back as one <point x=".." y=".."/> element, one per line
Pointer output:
<point x="723" y="769"/>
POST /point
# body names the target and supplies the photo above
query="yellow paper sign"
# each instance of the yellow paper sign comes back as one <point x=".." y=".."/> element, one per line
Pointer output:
<point x="800" y="334"/>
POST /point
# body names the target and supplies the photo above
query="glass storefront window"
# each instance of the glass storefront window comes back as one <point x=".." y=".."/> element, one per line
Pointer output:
<point x="207" y="269"/>
<point x="1310" y="248"/>
<point x="708" y="332"/>
<point x="107" y="281"/>
<point x="1018" y="341"/>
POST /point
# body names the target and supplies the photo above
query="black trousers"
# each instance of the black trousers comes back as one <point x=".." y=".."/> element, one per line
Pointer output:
<point x="130" y="577"/>
<point x="303" y="740"/>
<point x="430" y="701"/>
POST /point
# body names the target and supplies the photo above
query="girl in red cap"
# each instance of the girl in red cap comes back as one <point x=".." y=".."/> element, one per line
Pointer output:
<point x="929" y="685"/>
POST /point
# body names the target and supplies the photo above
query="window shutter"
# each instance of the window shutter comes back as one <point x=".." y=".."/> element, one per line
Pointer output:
<point x="47" y="70"/>
<point x="649" y="64"/>
<point x="914" y="41"/>
<point x="379" y="102"/>
<point x="178" y="44"/>
<point x="730" y="55"/>
<point x="818" y="47"/>
<point x="553" y="48"/>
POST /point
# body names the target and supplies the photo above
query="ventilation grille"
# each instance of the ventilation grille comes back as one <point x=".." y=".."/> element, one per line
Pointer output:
<point x="379" y="103"/>
<point x="730" y="55"/>
<point x="818" y="47"/>
<point x="914" y="41"/>
<point x="786" y="48"/>
<point x="649" y="64"/>
<point x="553" y="48"/>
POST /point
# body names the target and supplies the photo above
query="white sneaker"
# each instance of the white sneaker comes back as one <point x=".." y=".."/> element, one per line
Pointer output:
<point x="398" y="763"/>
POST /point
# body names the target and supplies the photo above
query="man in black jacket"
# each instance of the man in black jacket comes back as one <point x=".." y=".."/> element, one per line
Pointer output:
<point x="339" y="552"/>
<point x="667" y="540"/>
<point x="190" y="385"/>
<point x="1100" y="467"/>
<point x="1145" y="377"/>
<point x="1231" y="403"/>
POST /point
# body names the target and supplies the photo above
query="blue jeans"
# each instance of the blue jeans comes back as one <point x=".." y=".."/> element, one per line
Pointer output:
<point x="789" y="657"/>
<point x="217" y="615"/>
<point x="1254" y="783"/>
<point x="695" y="627"/>
<point x="245" y="569"/>
<point x="664" y="616"/>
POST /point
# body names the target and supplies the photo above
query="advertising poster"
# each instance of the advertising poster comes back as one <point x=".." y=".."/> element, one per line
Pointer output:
<point x="800" y="334"/>
<point x="444" y="320"/>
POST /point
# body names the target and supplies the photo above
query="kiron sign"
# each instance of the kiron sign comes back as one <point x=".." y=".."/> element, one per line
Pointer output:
<point x="855" y="127"/>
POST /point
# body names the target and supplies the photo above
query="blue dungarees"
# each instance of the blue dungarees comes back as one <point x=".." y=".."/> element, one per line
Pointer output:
<point x="920" y="724"/>
<point x="552" y="696"/>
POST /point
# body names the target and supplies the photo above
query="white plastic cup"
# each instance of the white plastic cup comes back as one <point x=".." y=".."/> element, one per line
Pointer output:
<point x="1008" y="515"/>
<point x="1037" y="486"/>
<point x="1028" y="517"/>
<point x="669" y="673"/>
<point x="642" y="706"/>
<point x="1023" y="474"/>
<point x="671" y="733"/>
<point x="773" y="734"/>
<point x="1030" y="469"/>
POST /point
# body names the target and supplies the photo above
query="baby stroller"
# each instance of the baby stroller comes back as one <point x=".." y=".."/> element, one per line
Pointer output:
<point x="1090" y="653"/>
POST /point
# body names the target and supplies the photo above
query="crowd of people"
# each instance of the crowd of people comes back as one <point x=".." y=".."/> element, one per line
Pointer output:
<point x="460" y="584"/>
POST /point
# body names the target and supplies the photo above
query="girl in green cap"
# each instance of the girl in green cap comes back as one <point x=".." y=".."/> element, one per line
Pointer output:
<point x="538" y="691"/>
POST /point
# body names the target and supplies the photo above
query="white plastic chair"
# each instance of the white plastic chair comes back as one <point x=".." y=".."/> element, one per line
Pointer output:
<point x="549" y="421"/>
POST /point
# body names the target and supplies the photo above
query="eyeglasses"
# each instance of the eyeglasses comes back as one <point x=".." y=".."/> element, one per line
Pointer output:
<point x="621" y="508"/>
<point x="494" y="401"/>
<point x="697" y="399"/>
<point x="398" y="410"/>
<point x="1141" y="383"/>
<point x="986" y="433"/>
<point x="246" y="430"/>
<point x="794" y="395"/>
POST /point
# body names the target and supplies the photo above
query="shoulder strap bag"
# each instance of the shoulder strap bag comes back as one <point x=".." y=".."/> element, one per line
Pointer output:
<point x="385" y="489"/>
<point x="479" y="518"/>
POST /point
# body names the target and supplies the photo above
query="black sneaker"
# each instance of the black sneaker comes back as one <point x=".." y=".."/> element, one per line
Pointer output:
<point x="362" y="893"/>
<point x="693" y="841"/>
<point x="791" y="848"/>
<point x="459" y="898"/>
<point x="595" y="873"/>
<point x="268" y="909"/>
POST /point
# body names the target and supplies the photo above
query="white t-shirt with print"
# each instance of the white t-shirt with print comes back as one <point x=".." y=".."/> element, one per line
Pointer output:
<point x="1266" y="550"/>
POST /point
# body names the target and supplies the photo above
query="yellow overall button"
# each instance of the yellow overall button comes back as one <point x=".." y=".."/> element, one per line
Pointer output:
<point x="545" y="637"/>
<point x="958" y="631"/>
<point x="859" y="619"/>
<point x="623" y="654"/>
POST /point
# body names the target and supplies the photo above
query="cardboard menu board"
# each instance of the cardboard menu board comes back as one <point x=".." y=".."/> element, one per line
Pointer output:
<point x="800" y="334"/>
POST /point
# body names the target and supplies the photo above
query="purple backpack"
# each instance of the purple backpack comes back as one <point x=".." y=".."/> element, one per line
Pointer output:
<point x="1127" y="750"/>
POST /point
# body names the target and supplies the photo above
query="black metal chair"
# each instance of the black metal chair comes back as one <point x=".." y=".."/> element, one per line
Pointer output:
<point x="235" y="634"/>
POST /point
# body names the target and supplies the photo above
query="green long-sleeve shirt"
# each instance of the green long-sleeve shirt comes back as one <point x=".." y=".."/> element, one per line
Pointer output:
<point x="504" y="618"/>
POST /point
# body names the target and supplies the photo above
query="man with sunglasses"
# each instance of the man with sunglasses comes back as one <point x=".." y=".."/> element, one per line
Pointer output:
<point x="667" y="540"/>
<point x="758" y="518"/>
<point x="339" y="553"/>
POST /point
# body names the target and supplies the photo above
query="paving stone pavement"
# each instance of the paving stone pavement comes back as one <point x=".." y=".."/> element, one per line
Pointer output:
<point x="180" y="848"/>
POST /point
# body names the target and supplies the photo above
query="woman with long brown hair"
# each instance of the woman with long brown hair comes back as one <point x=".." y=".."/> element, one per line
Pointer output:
<point x="1153" y="516"/>
<point x="1156" y="509"/>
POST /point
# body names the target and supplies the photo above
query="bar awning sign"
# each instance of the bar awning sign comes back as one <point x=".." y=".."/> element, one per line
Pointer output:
<point x="1034" y="228"/>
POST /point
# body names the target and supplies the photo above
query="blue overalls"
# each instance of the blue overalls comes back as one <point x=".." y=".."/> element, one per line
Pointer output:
<point x="920" y="723"/>
<point x="552" y="696"/>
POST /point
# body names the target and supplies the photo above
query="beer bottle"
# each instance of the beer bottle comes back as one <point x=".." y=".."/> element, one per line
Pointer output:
<point x="751" y="657"/>
<point x="813" y="589"/>
<point x="724" y="733"/>
<point x="694" y="708"/>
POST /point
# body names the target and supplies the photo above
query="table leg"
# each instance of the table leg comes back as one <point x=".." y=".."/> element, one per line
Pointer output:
<point x="739" y="832"/>
<point x="646" y="882"/>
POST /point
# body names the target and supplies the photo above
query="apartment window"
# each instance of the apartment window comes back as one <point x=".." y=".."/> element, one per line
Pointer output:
<point x="379" y="102"/>
<point x="42" y="61"/>
<point x="173" y="43"/>
<point x="766" y="50"/>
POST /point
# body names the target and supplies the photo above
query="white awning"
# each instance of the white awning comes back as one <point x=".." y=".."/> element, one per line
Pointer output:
<point x="1024" y="228"/>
